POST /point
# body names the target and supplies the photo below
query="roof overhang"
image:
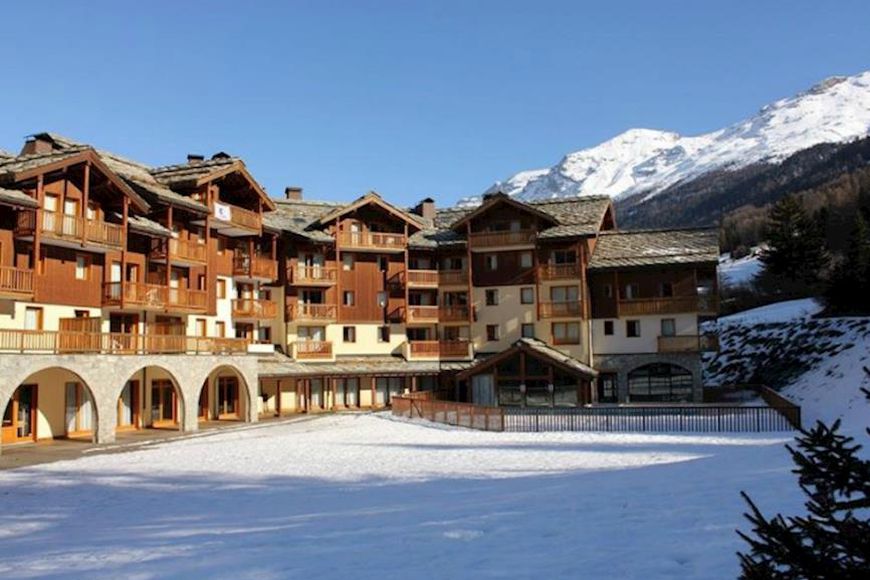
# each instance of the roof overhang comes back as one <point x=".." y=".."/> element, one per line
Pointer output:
<point x="543" y="352"/>
<point x="371" y="198"/>
<point x="502" y="199"/>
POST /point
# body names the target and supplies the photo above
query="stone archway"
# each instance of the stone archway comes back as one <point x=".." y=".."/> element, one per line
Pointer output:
<point x="151" y="397"/>
<point x="225" y="395"/>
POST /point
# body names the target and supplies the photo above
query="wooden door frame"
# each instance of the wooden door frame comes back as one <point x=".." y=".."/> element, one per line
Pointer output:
<point x="204" y="394"/>
<point x="134" y="404"/>
<point x="80" y="389"/>
<point x="34" y="416"/>
<point x="163" y="423"/>
<point x="221" y="415"/>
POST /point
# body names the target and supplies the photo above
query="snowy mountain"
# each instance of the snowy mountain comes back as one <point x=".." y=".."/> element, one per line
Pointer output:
<point x="646" y="161"/>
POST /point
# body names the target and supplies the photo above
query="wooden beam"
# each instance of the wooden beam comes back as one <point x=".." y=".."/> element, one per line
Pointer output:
<point x="470" y="299"/>
<point x="37" y="230"/>
<point x="86" y="192"/>
<point x="125" y="226"/>
<point x="168" y="258"/>
<point x="406" y="274"/>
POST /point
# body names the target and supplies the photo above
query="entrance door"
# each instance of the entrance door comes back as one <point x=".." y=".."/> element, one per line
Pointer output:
<point x="19" y="417"/>
<point x="203" y="414"/>
<point x="228" y="397"/>
<point x="128" y="406"/>
<point x="483" y="390"/>
<point x="164" y="404"/>
<point x="79" y="411"/>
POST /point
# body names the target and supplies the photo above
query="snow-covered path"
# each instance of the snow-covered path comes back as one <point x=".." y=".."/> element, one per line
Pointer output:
<point x="366" y="496"/>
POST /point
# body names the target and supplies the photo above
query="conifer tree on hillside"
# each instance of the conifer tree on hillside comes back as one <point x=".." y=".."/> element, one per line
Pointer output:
<point x="848" y="290"/>
<point x="833" y="540"/>
<point x="796" y="258"/>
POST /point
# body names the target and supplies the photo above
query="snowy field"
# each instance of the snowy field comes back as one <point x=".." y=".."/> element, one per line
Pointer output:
<point x="367" y="496"/>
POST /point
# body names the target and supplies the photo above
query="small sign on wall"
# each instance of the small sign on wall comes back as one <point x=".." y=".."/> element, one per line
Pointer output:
<point x="222" y="212"/>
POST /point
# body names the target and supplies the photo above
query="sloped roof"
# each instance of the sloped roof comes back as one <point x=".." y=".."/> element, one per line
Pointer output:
<point x="499" y="199"/>
<point x="300" y="217"/>
<point x="536" y="348"/>
<point x="281" y="366"/>
<point x="195" y="174"/>
<point x="140" y="179"/>
<point x="374" y="198"/>
<point x="625" y="249"/>
<point x="17" y="198"/>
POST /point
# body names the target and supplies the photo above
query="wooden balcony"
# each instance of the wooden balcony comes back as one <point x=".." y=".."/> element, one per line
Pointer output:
<point x="453" y="277"/>
<point x="569" y="309"/>
<point x="453" y="314"/>
<point x="313" y="275"/>
<point x="372" y="241"/>
<point x="312" y="350"/>
<point x="71" y="342"/>
<point x="190" y="252"/>
<point x="254" y="309"/>
<point x="502" y="239"/>
<point x="302" y="312"/>
<point x="438" y="349"/>
<point x="422" y="278"/>
<point x="671" y="305"/>
<point x="154" y="297"/>
<point x="688" y="343"/>
<point x="70" y="230"/>
<point x="232" y="220"/>
<point x="16" y="282"/>
<point x="254" y="267"/>
<point x="559" y="271"/>
<point x="422" y="314"/>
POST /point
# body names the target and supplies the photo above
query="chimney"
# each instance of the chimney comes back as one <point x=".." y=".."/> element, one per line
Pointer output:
<point x="426" y="208"/>
<point x="39" y="143"/>
<point x="293" y="192"/>
<point x="193" y="158"/>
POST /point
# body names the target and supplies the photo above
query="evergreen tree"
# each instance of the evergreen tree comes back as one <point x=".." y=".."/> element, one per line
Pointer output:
<point x="796" y="258"/>
<point x="833" y="540"/>
<point x="848" y="290"/>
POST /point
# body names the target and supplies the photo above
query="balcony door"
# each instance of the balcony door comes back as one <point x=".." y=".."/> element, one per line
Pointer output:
<point x="228" y="397"/>
<point x="50" y="203"/>
<point x="70" y="211"/>
<point x="19" y="417"/>
<point x="164" y="404"/>
<point x="312" y="297"/>
<point x="317" y="333"/>
<point x="79" y="411"/>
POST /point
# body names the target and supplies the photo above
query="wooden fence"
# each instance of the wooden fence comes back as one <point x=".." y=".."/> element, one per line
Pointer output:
<point x="624" y="418"/>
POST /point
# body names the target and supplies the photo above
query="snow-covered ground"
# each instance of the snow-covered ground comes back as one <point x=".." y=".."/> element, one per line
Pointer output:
<point x="366" y="496"/>
<point x="739" y="272"/>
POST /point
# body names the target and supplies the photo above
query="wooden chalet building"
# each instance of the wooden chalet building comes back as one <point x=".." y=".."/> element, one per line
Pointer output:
<point x="172" y="296"/>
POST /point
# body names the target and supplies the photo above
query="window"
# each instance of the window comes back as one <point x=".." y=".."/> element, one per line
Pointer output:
<point x="348" y="298"/>
<point x="669" y="327"/>
<point x="382" y="300"/>
<point x="632" y="328"/>
<point x="629" y="292"/>
<point x="527" y="330"/>
<point x="564" y="294"/>
<point x="527" y="295"/>
<point x="383" y="334"/>
<point x="492" y="297"/>
<point x="221" y="246"/>
<point x="563" y="257"/>
<point x="220" y="328"/>
<point x="608" y="328"/>
<point x="525" y="260"/>
<point x="221" y="288"/>
<point x="492" y="332"/>
<point x="608" y="291"/>
<point x="201" y="327"/>
<point x="453" y="264"/>
<point x="33" y="318"/>
<point x="348" y="333"/>
<point x="347" y="262"/>
<point x="566" y="333"/>
<point x="83" y="267"/>
<point x="666" y="289"/>
<point x="265" y="334"/>
<point x="82" y="314"/>
<point x="200" y="281"/>
<point x="607" y="388"/>
<point x="265" y="294"/>
<point x="660" y="382"/>
<point x="491" y="262"/>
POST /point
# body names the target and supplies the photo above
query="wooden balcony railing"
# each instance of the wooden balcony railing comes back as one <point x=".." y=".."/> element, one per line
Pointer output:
<point x="507" y="238"/>
<point x="569" y="309"/>
<point x="372" y="240"/>
<point x="312" y="349"/>
<point x="237" y="216"/>
<point x="452" y="349"/>
<point x="256" y="266"/>
<point x="688" y="343"/>
<point x="314" y="275"/>
<point x="183" y="251"/>
<point x="422" y="314"/>
<point x="144" y="295"/>
<point x="71" y="342"/>
<point x="453" y="277"/>
<point x="16" y="280"/>
<point x="453" y="314"/>
<point x="671" y="305"/>
<point x="423" y="278"/>
<point x="302" y="311"/>
<point x="560" y="271"/>
<point x="71" y="227"/>
<point x="254" y="308"/>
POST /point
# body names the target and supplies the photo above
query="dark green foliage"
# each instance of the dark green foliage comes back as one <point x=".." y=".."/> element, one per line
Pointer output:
<point x="833" y="540"/>
<point x="795" y="262"/>
<point x="848" y="291"/>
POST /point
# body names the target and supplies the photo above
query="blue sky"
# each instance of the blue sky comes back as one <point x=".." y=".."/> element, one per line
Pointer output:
<point x="412" y="99"/>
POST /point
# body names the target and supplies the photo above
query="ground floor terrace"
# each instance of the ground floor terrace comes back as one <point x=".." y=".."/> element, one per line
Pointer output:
<point x="98" y="398"/>
<point x="365" y="495"/>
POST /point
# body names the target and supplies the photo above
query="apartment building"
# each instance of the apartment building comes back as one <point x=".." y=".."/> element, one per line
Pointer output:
<point x="136" y="297"/>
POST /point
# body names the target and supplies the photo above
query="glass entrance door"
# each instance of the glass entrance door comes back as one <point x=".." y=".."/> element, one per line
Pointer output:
<point x="228" y="397"/>
<point x="79" y="411"/>
<point x="164" y="404"/>
<point x="19" y="417"/>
